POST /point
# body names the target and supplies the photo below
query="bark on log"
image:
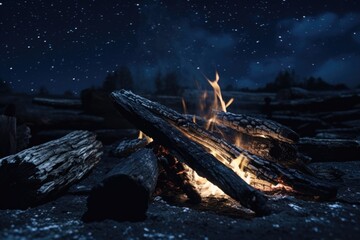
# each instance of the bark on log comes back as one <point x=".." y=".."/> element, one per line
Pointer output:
<point x="257" y="127"/>
<point x="127" y="147"/>
<point x="58" y="103"/>
<point x="330" y="150"/>
<point x="134" y="109"/>
<point x="126" y="190"/>
<point x="41" y="172"/>
<point x="264" y="175"/>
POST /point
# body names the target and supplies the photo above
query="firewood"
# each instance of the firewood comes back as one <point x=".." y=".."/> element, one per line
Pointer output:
<point x="127" y="147"/>
<point x="194" y="155"/>
<point x="257" y="127"/>
<point x="125" y="191"/>
<point x="159" y="122"/>
<point x="270" y="149"/>
<point x="36" y="174"/>
<point x="330" y="150"/>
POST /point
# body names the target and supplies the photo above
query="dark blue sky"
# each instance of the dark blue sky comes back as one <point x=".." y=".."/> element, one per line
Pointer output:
<point x="73" y="44"/>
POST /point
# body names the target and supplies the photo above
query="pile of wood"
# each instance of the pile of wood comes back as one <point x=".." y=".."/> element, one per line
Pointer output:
<point x="267" y="155"/>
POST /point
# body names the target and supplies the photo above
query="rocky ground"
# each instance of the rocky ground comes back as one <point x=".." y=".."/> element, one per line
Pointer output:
<point x="291" y="218"/>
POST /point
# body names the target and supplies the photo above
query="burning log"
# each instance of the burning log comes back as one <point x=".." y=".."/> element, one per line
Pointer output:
<point x="125" y="191"/>
<point x="330" y="149"/>
<point x="36" y="174"/>
<point x="176" y="132"/>
<point x="134" y="108"/>
<point x="268" y="148"/>
<point x="257" y="127"/>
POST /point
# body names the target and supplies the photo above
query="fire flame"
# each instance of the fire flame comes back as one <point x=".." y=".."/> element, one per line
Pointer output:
<point x="203" y="186"/>
<point x="143" y="135"/>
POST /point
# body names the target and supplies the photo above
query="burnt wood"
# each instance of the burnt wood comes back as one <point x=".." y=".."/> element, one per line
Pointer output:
<point x="175" y="177"/>
<point x="268" y="148"/>
<point x="134" y="108"/>
<point x="125" y="191"/>
<point x="36" y="174"/>
<point x="257" y="127"/>
<point x="126" y="147"/>
<point x="58" y="102"/>
<point x="176" y="132"/>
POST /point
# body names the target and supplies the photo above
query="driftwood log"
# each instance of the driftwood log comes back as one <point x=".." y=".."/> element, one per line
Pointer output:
<point x="134" y="108"/>
<point x="126" y="190"/>
<point x="330" y="150"/>
<point x="176" y="132"/>
<point x="36" y="174"/>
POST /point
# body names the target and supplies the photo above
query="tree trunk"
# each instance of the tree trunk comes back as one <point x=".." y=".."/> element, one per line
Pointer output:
<point x="194" y="155"/>
<point x="36" y="174"/>
<point x="125" y="191"/>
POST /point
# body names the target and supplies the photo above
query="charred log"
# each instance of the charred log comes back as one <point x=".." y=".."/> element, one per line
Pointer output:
<point x="257" y="127"/>
<point x="126" y="190"/>
<point x="134" y="108"/>
<point x="175" y="131"/>
<point x="41" y="172"/>
<point x="268" y="148"/>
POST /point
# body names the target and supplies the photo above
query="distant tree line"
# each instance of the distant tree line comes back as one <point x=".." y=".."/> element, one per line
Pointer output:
<point x="287" y="79"/>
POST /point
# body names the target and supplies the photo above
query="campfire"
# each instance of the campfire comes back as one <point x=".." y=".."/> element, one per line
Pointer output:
<point x="219" y="154"/>
<point x="214" y="153"/>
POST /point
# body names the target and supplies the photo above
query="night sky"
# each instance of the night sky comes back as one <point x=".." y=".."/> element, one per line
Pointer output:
<point x="73" y="44"/>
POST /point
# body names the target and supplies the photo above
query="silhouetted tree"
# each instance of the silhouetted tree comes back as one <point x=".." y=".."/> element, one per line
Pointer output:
<point x="167" y="84"/>
<point x="43" y="91"/>
<point x="4" y="87"/>
<point x="119" y="79"/>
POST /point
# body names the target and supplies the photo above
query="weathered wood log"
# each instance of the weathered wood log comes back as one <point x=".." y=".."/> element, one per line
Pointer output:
<point x="125" y="191"/>
<point x="192" y="153"/>
<point x="41" y="172"/>
<point x="127" y="147"/>
<point x="58" y="103"/>
<point x="262" y="174"/>
<point x="257" y="127"/>
<point x="330" y="150"/>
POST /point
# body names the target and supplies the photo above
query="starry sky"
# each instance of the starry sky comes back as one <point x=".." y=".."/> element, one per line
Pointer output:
<point x="73" y="44"/>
